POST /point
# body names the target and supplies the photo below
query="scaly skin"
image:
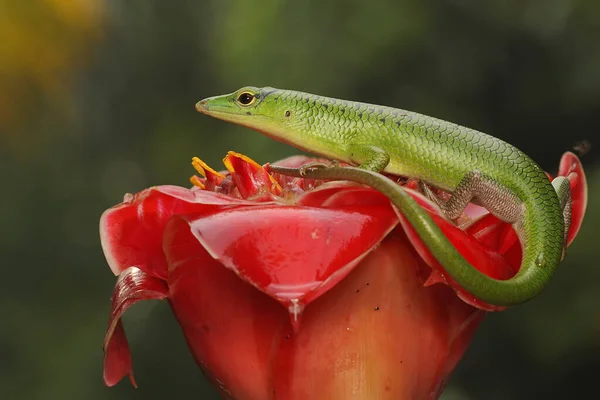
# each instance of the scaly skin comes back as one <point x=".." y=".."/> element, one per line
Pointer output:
<point x="442" y="154"/>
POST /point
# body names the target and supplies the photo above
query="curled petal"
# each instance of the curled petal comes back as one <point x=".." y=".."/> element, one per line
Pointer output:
<point x="132" y="286"/>
<point x="131" y="232"/>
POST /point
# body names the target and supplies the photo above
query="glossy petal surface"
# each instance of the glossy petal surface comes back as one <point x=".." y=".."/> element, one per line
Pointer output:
<point x="291" y="252"/>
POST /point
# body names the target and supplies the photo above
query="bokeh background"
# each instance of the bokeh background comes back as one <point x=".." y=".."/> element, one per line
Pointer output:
<point x="97" y="99"/>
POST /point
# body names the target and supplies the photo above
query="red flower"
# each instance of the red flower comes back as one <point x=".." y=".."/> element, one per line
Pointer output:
<point x="293" y="289"/>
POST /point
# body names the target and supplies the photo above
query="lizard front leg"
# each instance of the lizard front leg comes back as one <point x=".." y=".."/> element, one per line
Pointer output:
<point x="368" y="157"/>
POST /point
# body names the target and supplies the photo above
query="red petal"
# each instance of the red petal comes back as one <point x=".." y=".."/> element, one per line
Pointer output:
<point x="570" y="166"/>
<point x="131" y="232"/>
<point x="117" y="357"/>
<point x="229" y="325"/>
<point x="290" y="252"/>
<point x="499" y="237"/>
<point x="242" y="338"/>
<point x="132" y="286"/>
<point x="250" y="178"/>
<point x="377" y="335"/>
<point x="343" y="194"/>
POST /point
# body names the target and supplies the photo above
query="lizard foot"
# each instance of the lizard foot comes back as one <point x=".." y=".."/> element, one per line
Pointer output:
<point x="313" y="166"/>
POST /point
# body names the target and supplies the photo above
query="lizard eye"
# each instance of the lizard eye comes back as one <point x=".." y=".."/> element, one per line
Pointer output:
<point x="246" y="98"/>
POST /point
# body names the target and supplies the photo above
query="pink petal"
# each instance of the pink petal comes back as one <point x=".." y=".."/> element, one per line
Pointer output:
<point x="132" y="286"/>
<point x="297" y="162"/>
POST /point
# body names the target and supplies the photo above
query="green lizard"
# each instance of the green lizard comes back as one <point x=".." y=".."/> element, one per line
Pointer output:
<point x="470" y="165"/>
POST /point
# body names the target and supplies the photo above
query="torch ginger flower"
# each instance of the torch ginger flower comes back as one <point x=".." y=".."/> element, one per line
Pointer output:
<point x="288" y="288"/>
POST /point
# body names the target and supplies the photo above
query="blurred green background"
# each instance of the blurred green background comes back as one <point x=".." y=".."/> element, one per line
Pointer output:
<point x="97" y="99"/>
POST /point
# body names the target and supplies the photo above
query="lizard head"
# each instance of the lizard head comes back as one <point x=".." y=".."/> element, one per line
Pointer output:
<point x="283" y="115"/>
<point x="249" y="106"/>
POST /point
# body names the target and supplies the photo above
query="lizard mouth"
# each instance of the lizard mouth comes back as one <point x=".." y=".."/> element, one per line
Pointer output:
<point x="202" y="106"/>
<point x="214" y="110"/>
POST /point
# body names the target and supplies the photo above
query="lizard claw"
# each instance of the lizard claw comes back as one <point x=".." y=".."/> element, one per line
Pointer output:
<point x="305" y="169"/>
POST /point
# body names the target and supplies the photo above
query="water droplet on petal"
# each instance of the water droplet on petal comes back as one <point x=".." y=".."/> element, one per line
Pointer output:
<point x="295" y="309"/>
<point x="291" y="292"/>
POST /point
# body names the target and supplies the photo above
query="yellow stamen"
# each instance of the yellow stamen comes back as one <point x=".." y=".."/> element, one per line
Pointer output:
<point x="228" y="165"/>
<point x="197" y="182"/>
<point x="203" y="168"/>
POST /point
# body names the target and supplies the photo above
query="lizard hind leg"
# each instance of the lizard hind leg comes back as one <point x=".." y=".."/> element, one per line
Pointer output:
<point x="483" y="190"/>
